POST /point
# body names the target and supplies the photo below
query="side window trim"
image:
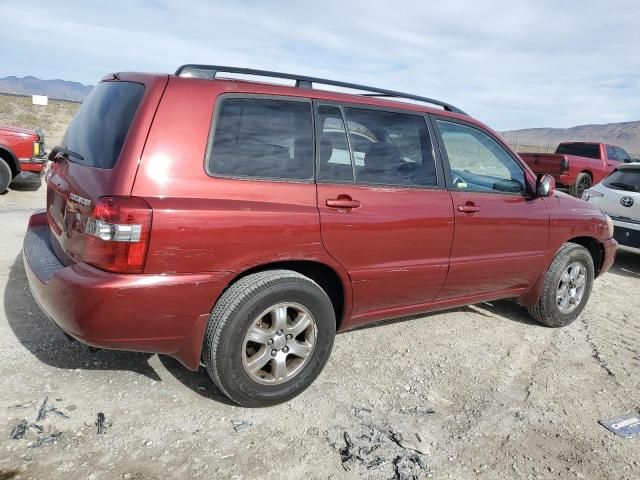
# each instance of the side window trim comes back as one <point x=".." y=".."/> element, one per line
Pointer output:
<point x="316" y="138"/>
<point x="214" y="122"/>
<point x="447" y="166"/>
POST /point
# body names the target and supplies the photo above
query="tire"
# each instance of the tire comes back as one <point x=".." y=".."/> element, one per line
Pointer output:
<point x="5" y="175"/>
<point x="552" y="309"/>
<point x="254" y="302"/>
<point x="583" y="181"/>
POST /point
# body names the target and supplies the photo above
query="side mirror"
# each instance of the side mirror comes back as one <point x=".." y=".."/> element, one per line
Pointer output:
<point x="545" y="185"/>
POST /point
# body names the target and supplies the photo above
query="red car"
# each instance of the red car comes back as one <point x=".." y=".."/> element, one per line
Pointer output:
<point x="239" y="224"/>
<point x="22" y="155"/>
<point x="577" y="165"/>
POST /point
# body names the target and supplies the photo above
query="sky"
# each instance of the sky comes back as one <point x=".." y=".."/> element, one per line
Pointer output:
<point x="510" y="64"/>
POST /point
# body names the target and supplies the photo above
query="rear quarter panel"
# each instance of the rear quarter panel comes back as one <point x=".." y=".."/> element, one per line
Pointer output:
<point x="210" y="224"/>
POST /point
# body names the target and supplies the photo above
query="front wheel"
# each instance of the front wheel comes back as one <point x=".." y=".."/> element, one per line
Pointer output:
<point x="567" y="287"/>
<point x="269" y="336"/>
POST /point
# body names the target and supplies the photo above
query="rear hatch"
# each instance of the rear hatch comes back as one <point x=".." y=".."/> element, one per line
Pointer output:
<point x="97" y="162"/>
<point x="549" y="163"/>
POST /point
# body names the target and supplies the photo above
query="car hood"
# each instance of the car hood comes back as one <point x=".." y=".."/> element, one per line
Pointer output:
<point x="577" y="205"/>
<point x="16" y="130"/>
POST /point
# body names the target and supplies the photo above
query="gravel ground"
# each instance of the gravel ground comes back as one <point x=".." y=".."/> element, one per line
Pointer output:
<point x="480" y="391"/>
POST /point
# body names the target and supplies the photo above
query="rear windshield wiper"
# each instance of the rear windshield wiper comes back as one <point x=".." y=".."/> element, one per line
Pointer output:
<point x="58" y="152"/>
<point x="624" y="186"/>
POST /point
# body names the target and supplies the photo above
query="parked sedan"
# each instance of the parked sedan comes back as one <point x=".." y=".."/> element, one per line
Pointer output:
<point x="618" y="195"/>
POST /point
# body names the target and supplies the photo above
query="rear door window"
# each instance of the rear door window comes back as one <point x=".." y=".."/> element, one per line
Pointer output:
<point x="98" y="131"/>
<point x="588" y="150"/>
<point x="390" y="148"/>
<point x="622" y="156"/>
<point x="262" y="138"/>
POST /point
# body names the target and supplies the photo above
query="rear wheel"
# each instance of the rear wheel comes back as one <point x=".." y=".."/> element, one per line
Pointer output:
<point x="268" y="338"/>
<point x="5" y="175"/>
<point x="567" y="287"/>
<point x="583" y="181"/>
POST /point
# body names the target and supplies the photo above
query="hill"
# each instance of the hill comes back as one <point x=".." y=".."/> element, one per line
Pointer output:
<point x="60" y="89"/>
<point x="625" y="135"/>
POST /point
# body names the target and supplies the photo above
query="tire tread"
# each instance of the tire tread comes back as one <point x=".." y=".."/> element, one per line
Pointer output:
<point x="229" y="301"/>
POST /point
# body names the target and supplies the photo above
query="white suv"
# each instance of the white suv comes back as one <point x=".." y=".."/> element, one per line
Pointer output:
<point x="618" y="195"/>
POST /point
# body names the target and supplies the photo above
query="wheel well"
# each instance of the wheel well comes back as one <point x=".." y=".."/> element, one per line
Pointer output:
<point x="588" y="173"/>
<point x="320" y="273"/>
<point x="595" y="249"/>
<point x="8" y="157"/>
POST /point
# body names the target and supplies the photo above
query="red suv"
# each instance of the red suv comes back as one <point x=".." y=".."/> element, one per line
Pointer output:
<point x="240" y="224"/>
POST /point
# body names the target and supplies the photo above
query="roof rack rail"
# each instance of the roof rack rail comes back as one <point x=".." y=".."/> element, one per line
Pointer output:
<point x="302" y="81"/>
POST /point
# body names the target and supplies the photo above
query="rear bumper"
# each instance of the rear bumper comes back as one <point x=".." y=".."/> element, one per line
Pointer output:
<point x="147" y="313"/>
<point x="610" y="247"/>
<point x="35" y="164"/>
<point x="564" y="180"/>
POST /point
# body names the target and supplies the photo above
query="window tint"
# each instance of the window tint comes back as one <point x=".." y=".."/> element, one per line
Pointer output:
<point x="626" y="179"/>
<point x="334" y="159"/>
<point x="588" y="150"/>
<point x="479" y="163"/>
<point x="98" y="130"/>
<point x="390" y="148"/>
<point x="263" y="138"/>
<point x="611" y="153"/>
<point x="621" y="155"/>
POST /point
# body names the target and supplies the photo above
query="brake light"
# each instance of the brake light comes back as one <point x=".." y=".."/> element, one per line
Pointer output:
<point x="564" y="164"/>
<point x="117" y="234"/>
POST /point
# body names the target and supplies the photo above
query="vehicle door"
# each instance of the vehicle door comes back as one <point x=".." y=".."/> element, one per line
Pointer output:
<point x="385" y="214"/>
<point x="622" y="155"/>
<point x="501" y="230"/>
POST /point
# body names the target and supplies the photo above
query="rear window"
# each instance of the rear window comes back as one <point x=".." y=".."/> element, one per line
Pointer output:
<point x="263" y="138"/>
<point x="588" y="150"/>
<point x="626" y="179"/>
<point x="99" y="129"/>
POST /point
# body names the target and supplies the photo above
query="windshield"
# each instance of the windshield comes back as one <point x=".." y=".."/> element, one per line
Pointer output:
<point x="588" y="150"/>
<point x="627" y="179"/>
<point x="97" y="132"/>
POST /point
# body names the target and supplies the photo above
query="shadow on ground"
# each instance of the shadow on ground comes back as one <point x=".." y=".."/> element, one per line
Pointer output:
<point x="627" y="263"/>
<point x="51" y="346"/>
<point x="26" y="185"/>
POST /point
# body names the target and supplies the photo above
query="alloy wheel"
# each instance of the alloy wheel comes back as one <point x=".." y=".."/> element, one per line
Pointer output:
<point x="279" y="343"/>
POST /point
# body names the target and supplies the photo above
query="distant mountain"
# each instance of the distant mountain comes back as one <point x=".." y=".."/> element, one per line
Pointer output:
<point x="62" y="89"/>
<point x="625" y="135"/>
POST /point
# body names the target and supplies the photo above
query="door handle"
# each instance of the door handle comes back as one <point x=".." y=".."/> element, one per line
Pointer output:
<point x="469" y="208"/>
<point x="342" y="202"/>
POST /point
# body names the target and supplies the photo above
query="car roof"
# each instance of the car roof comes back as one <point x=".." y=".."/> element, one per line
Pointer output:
<point x="629" y="166"/>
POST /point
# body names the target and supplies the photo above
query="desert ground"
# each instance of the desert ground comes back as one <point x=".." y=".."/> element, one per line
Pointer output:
<point x="479" y="392"/>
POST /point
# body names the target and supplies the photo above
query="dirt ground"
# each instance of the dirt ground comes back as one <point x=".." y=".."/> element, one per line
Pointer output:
<point x="481" y="391"/>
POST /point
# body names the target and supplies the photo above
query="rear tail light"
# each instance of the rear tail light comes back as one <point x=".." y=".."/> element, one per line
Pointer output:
<point x="564" y="164"/>
<point x="117" y="234"/>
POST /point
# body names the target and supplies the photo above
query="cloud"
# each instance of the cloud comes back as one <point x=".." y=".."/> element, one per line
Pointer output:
<point x="511" y="64"/>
